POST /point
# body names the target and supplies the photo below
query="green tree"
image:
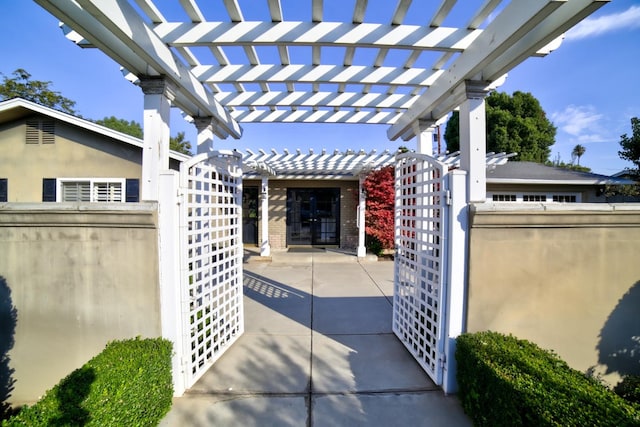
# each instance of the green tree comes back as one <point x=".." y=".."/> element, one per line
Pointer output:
<point x="130" y="128"/>
<point x="631" y="145"/>
<point x="176" y="143"/>
<point x="515" y="124"/>
<point x="578" y="151"/>
<point x="20" y="85"/>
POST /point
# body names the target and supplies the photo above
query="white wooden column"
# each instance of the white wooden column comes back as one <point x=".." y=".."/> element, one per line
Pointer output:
<point x="158" y="95"/>
<point x="424" y="130"/>
<point x="456" y="268"/>
<point x="362" y="206"/>
<point x="205" y="133"/>
<point x="473" y="141"/>
<point x="265" y="246"/>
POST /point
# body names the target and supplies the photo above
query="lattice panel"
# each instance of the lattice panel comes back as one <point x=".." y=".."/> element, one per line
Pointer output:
<point x="418" y="300"/>
<point x="212" y="258"/>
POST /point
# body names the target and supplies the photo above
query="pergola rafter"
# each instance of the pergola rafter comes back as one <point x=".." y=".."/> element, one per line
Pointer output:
<point x="392" y="70"/>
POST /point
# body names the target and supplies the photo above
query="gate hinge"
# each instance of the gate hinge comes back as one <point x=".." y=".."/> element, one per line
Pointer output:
<point x="442" y="359"/>
<point x="448" y="197"/>
<point x="180" y="195"/>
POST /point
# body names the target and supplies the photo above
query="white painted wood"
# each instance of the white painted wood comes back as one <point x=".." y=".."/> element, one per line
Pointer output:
<point x="265" y="245"/>
<point x="298" y="33"/>
<point x="361" y="222"/>
<point x="456" y="268"/>
<point x="513" y="23"/>
<point x="473" y="146"/>
<point x="205" y="127"/>
<point x="155" y="123"/>
<point x="170" y="260"/>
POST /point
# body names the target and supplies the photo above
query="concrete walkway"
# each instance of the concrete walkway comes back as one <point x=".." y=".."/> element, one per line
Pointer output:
<point x="318" y="350"/>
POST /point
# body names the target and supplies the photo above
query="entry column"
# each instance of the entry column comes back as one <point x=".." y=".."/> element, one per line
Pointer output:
<point x="158" y="94"/>
<point x="205" y="133"/>
<point x="424" y="130"/>
<point x="362" y="206"/>
<point x="265" y="246"/>
<point x="473" y="140"/>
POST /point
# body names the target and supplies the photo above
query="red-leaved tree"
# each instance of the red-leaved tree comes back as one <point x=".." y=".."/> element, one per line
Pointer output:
<point x="379" y="186"/>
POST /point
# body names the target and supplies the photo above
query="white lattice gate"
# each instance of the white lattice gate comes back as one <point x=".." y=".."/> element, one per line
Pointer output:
<point x="211" y="259"/>
<point x="419" y="300"/>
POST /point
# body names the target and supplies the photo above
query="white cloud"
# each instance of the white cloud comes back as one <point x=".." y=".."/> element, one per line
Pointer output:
<point x="592" y="27"/>
<point x="582" y="123"/>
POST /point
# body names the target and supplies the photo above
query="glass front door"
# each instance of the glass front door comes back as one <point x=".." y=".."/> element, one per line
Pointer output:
<point x="313" y="216"/>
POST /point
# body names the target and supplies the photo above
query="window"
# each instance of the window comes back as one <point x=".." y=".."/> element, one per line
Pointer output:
<point x="504" y="198"/>
<point x="90" y="190"/>
<point x="40" y="131"/>
<point x="564" y="198"/>
<point x="49" y="186"/>
<point x="535" y="197"/>
<point x="3" y="189"/>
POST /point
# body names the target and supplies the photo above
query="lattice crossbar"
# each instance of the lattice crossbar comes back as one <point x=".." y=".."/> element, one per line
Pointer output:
<point x="420" y="213"/>
<point x="211" y="272"/>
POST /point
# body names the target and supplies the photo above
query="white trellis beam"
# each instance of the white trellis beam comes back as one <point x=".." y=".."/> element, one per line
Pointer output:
<point x="134" y="45"/>
<point x="292" y="33"/>
<point x="332" y="74"/>
<point x="528" y="25"/>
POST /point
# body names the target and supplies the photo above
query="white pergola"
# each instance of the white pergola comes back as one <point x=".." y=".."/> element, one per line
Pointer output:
<point x="405" y="64"/>
<point x="336" y="165"/>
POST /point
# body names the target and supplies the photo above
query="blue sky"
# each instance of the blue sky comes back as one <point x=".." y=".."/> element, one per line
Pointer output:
<point x="589" y="87"/>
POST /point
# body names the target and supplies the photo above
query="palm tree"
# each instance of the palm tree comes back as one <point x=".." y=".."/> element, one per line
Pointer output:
<point x="578" y="152"/>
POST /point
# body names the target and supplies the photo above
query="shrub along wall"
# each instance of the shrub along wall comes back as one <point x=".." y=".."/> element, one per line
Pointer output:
<point x="505" y="381"/>
<point x="128" y="384"/>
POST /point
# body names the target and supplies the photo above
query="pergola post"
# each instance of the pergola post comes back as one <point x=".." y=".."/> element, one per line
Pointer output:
<point x="362" y="206"/>
<point x="205" y="133"/>
<point x="473" y="140"/>
<point x="158" y="94"/>
<point x="424" y="130"/>
<point x="265" y="246"/>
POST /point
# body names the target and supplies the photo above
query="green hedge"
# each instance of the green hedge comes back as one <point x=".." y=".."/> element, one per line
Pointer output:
<point x="629" y="388"/>
<point x="505" y="381"/>
<point x="128" y="384"/>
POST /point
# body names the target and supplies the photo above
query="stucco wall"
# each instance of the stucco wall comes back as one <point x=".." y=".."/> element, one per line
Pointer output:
<point x="76" y="153"/>
<point x="78" y="276"/>
<point x="278" y="209"/>
<point x="566" y="277"/>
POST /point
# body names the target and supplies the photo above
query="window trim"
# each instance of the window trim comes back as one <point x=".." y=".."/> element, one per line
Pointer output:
<point x="92" y="183"/>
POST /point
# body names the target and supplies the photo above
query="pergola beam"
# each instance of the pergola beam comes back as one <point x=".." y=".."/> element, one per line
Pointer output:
<point x="319" y="99"/>
<point x="330" y="74"/>
<point x="513" y="35"/>
<point x="130" y="37"/>
<point x="315" y="116"/>
<point x="292" y="33"/>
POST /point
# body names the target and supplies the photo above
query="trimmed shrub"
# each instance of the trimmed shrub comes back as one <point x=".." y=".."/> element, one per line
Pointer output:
<point x="505" y="381"/>
<point x="629" y="388"/>
<point x="127" y="384"/>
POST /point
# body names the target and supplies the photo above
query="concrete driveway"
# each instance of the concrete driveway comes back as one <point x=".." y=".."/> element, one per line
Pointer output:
<point x="318" y="350"/>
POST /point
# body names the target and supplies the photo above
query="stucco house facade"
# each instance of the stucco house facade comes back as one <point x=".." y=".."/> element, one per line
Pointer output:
<point x="51" y="156"/>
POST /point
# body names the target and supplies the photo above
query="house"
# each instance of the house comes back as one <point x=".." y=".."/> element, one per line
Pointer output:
<point x="51" y="156"/>
<point x="311" y="198"/>
<point x="534" y="182"/>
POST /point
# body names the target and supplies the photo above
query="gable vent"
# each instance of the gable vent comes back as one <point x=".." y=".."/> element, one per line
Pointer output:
<point x="48" y="131"/>
<point x="41" y="131"/>
<point x="33" y="131"/>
